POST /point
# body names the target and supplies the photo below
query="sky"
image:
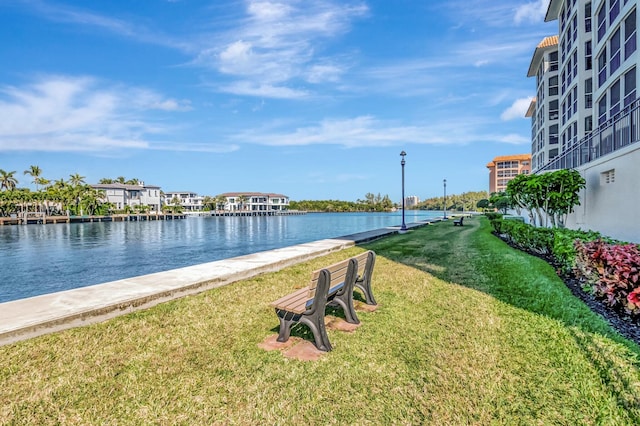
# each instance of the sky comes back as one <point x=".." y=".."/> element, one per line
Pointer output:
<point x="313" y="99"/>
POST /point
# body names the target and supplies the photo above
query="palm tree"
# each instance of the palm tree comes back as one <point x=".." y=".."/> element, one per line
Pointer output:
<point x="120" y="179"/>
<point x="7" y="181"/>
<point x="242" y="199"/>
<point x="34" y="172"/>
<point x="221" y="200"/>
<point x="106" y="181"/>
<point x="75" y="179"/>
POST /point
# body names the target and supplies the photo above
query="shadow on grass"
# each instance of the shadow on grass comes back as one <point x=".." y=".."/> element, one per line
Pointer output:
<point x="472" y="257"/>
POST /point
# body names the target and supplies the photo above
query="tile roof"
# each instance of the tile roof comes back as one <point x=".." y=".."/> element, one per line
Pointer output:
<point x="548" y="42"/>
<point x="515" y="157"/>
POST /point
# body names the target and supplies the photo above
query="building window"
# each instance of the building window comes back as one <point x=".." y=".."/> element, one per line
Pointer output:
<point x="614" y="10"/>
<point x="602" y="110"/>
<point x="553" y="110"/>
<point x="553" y="134"/>
<point x="588" y="124"/>
<point x="630" y="34"/>
<point x="602" y="67"/>
<point x="615" y="99"/>
<point x="630" y="86"/>
<point x="553" y="85"/>
<point x="588" y="61"/>
<point x="553" y="153"/>
<point x="602" y="22"/>
<point x="588" y="93"/>
<point x="615" y="52"/>
<point x="587" y="18"/>
<point x="553" y="61"/>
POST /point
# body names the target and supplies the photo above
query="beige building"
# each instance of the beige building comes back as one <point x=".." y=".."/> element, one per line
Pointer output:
<point x="504" y="168"/>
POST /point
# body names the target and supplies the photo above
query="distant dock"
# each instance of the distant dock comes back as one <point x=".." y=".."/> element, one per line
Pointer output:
<point x="250" y="213"/>
<point x="42" y="219"/>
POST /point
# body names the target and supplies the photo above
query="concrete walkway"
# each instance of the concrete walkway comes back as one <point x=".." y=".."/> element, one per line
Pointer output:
<point x="26" y="318"/>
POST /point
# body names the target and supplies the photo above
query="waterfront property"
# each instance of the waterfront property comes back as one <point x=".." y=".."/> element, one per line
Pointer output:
<point x="123" y="195"/>
<point x="189" y="201"/>
<point x="255" y="201"/>
<point x="599" y="113"/>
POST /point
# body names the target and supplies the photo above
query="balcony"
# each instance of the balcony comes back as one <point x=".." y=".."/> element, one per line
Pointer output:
<point x="614" y="134"/>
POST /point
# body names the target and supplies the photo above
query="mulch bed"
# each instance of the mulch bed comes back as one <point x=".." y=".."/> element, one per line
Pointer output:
<point x="621" y="322"/>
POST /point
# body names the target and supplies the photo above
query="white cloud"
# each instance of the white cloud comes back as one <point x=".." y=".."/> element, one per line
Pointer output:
<point x="248" y="88"/>
<point x="531" y="12"/>
<point x="367" y="131"/>
<point x="59" y="113"/>
<point x="517" y="110"/>
<point x="277" y="44"/>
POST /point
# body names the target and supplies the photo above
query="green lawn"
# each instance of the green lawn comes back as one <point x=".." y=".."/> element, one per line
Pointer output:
<point x="469" y="331"/>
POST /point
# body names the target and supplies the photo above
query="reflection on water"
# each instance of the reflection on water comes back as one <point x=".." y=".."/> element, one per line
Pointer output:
<point x="40" y="259"/>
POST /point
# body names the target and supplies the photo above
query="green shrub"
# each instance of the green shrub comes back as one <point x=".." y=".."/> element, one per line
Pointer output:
<point x="493" y="215"/>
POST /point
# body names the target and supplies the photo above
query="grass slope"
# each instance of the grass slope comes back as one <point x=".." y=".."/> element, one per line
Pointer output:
<point x="469" y="331"/>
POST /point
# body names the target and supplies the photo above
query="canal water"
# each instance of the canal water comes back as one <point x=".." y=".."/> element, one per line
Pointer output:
<point x="41" y="259"/>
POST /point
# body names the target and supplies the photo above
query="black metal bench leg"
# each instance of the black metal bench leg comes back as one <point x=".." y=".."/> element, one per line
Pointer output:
<point x="316" y="323"/>
<point x="365" y="287"/>
<point x="346" y="303"/>
<point x="286" y="321"/>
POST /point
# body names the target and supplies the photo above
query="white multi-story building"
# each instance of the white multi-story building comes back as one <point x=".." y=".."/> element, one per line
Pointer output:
<point x="411" y="201"/>
<point x="190" y="201"/>
<point x="544" y="108"/>
<point x="255" y="201"/>
<point x="599" y="130"/>
<point x="122" y="195"/>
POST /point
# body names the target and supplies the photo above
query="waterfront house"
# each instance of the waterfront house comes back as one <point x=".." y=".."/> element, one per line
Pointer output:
<point x="255" y="201"/>
<point x="121" y="195"/>
<point x="190" y="201"/>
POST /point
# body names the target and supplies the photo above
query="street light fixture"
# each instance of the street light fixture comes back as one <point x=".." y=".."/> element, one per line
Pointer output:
<point x="445" y="198"/>
<point x="403" y="228"/>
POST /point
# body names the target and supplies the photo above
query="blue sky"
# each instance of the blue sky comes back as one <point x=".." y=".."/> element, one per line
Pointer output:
<point x="314" y="99"/>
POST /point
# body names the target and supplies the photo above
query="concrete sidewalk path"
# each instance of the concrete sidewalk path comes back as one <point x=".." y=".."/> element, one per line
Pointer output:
<point x="34" y="316"/>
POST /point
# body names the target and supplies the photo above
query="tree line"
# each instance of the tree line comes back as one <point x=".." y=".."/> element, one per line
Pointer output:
<point x="467" y="201"/>
<point x="370" y="203"/>
<point x="56" y="197"/>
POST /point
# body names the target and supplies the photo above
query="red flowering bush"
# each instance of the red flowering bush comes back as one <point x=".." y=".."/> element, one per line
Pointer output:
<point x="612" y="272"/>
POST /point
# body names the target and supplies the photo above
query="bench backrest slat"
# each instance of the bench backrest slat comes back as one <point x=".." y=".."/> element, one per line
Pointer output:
<point x="337" y="271"/>
<point x="362" y="259"/>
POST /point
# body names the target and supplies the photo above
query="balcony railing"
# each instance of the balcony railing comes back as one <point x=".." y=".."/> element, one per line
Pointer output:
<point x="614" y="134"/>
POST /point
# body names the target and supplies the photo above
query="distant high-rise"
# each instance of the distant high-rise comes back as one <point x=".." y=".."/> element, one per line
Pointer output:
<point x="504" y="168"/>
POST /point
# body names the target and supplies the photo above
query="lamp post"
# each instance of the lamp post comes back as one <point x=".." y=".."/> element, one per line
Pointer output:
<point x="403" y="228"/>
<point x="445" y="198"/>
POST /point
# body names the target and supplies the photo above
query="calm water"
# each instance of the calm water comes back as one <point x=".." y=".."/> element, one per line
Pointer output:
<point x="40" y="259"/>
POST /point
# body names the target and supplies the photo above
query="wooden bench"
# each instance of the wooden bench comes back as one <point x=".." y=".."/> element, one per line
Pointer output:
<point x="458" y="222"/>
<point x="333" y="285"/>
